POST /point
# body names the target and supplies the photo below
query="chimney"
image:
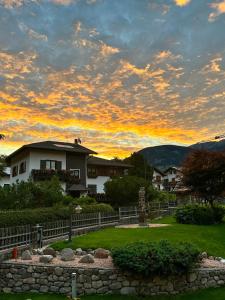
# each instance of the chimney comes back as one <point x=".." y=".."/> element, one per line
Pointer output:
<point x="77" y="141"/>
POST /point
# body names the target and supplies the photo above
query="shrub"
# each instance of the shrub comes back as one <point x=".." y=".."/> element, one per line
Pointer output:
<point x="101" y="207"/>
<point x="33" y="216"/>
<point x="87" y="200"/>
<point x="159" y="196"/>
<point x="199" y="215"/>
<point x="124" y="191"/>
<point x="156" y="259"/>
<point x="42" y="215"/>
<point x="22" y="195"/>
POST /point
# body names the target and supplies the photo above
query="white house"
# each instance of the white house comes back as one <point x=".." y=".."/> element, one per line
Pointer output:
<point x="100" y="170"/>
<point x="77" y="170"/>
<point x="172" y="179"/>
<point x="158" y="179"/>
<point x="168" y="180"/>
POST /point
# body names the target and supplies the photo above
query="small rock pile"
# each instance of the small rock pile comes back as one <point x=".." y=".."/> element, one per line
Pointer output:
<point x="47" y="255"/>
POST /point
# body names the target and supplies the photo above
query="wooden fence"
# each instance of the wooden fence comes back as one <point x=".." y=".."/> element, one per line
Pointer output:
<point x="16" y="236"/>
<point x="26" y="235"/>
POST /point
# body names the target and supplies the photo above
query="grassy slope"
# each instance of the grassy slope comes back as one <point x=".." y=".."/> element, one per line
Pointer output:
<point x="218" y="294"/>
<point x="207" y="238"/>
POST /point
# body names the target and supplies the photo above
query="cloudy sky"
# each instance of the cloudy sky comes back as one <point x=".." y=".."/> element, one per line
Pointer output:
<point x="119" y="74"/>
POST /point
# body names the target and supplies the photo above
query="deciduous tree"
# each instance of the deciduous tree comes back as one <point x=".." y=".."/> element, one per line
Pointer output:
<point x="204" y="174"/>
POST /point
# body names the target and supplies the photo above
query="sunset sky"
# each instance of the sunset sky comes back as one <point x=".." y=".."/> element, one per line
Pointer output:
<point x="120" y="74"/>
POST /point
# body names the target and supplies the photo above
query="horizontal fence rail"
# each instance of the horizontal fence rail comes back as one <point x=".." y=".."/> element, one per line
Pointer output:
<point x="11" y="237"/>
<point x="26" y="235"/>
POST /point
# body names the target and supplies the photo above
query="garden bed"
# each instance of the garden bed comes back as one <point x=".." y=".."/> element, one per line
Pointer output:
<point x="102" y="263"/>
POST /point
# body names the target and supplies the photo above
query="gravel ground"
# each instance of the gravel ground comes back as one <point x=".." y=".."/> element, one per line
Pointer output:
<point x="101" y="263"/>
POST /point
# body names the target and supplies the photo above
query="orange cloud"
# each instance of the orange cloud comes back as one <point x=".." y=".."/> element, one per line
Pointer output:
<point x="182" y="2"/>
<point x="219" y="9"/>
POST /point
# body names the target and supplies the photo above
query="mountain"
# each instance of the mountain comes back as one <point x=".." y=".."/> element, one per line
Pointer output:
<point x="211" y="146"/>
<point x="165" y="156"/>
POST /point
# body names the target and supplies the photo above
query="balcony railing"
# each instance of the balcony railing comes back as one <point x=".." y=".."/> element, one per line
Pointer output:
<point x="63" y="175"/>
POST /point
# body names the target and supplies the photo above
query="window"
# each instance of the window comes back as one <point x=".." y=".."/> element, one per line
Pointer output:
<point x="75" y="173"/>
<point x="15" y="171"/>
<point x="22" y="167"/>
<point x="92" y="188"/>
<point x="113" y="172"/>
<point x="158" y="178"/>
<point x="92" y="172"/>
<point x="125" y="172"/>
<point x="50" y="165"/>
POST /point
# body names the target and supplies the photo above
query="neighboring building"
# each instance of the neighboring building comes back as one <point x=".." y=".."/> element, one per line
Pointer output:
<point x="101" y="170"/>
<point x="158" y="179"/>
<point x="5" y="177"/>
<point x="172" y="179"/>
<point x="168" y="180"/>
<point x="69" y="161"/>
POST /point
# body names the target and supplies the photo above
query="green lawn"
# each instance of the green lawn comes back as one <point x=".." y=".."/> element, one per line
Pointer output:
<point x="210" y="294"/>
<point x="207" y="238"/>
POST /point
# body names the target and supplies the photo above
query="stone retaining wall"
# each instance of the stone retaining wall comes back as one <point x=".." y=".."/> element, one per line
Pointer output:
<point x="18" y="278"/>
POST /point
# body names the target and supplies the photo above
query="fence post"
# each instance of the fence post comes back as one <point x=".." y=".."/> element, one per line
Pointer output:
<point x="39" y="236"/>
<point x="99" y="219"/>
<point x="70" y="228"/>
<point x="136" y="213"/>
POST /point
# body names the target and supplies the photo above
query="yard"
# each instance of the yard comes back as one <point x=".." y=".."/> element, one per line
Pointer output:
<point x="218" y="294"/>
<point x="208" y="238"/>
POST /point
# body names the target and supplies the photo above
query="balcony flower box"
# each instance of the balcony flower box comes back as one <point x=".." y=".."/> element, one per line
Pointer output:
<point x="63" y="175"/>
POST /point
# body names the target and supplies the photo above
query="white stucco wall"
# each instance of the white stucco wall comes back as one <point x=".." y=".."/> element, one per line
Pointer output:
<point x="157" y="185"/>
<point x="99" y="181"/>
<point x="37" y="156"/>
<point x="4" y="180"/>
<point x="24" y="176"/>
<point x="33" y="162"/>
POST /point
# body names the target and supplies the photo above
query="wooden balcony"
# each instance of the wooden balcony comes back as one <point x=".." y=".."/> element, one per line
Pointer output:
<point x="63" y="175"/>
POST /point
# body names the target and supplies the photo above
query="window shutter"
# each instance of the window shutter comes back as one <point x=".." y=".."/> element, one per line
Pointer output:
<point x="43" y="164"/>
<point x="58" y="165"/>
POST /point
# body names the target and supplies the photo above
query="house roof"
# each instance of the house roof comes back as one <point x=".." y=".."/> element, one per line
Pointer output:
<point x="173" y="168"/>
<point x="77" y="187"/>
<point x="158" y="171"/>
<point x="93" y="160"/>
<point x="53" y="145"/>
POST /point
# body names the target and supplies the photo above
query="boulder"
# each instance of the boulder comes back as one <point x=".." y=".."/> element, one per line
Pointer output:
<point x="101" y="253"/>
<point x="49" y="251"/>
<point x="87" y="259"/>
<point x="46" y="259"/>
<point x="26" y="255"/>
<point x="204" y="255"/>
<point x="67" y="254"/>
<point x="78" y="251"/>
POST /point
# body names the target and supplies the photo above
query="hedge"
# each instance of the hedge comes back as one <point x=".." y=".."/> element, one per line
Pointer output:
<point x="156" y="259"/>
<point x="42" y="215"/>
<point x="199" y="214"/>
